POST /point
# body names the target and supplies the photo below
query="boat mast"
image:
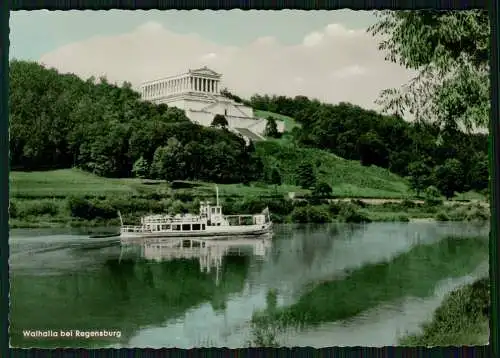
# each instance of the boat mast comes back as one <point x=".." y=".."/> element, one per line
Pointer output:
<point x="120" y="216"/>
<point x="217" y="194"/>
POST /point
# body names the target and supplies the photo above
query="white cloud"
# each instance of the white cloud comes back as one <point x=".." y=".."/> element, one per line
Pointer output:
<point x="209" y="56"/>
<point x="339" y="30"/>
<point x="349" y="71"/>
<point x="313" y="39"/>
<point x="332" y="64"/>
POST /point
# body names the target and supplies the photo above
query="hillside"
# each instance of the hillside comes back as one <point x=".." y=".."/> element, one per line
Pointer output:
<point x="347" y="178"/>
<point x="290" y="123"/>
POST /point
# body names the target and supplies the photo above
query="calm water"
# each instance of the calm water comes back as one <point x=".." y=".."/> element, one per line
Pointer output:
<point x="366" y="285"/>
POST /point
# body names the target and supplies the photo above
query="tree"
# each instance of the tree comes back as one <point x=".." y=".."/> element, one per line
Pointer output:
<point x="479" y="172"/>
<point x="432" y="196"/>
<point x="219" y="121"/>
<point x="271" y="128"/>
<point x="322" y="189"/>
<point x="169" y="162"/>
<point x="306" y="177"/>
<point x="276" y="179"/>
<point x="420" y="176"/>
<point x="372" y="151"/>
<point x="141" y="168"/>
<point x="449" y="177"/>
<point x="450" y="51"/>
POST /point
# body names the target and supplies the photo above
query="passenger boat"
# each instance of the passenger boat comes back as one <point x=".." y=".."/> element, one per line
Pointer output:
<point x="211" y="223"/>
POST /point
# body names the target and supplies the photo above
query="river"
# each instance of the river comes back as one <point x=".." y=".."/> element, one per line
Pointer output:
<point x="358" y="285"/>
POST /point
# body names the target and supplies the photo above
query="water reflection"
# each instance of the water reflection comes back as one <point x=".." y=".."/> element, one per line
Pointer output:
<point x="210" y="253"/>
<point x="181" y="293"/>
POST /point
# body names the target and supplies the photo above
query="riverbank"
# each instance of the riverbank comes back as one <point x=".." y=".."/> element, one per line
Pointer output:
<point x="101" y="212"/>
<point x="461" y="320"/>
<point x="72" y="198"/>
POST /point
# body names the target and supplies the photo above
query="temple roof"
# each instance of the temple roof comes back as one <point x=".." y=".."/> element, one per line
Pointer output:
<point x="205" y="71"/>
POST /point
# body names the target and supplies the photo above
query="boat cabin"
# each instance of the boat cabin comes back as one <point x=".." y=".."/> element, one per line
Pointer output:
<point x="212" y="213"/>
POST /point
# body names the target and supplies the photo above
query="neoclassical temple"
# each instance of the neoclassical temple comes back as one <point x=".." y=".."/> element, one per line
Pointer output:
<point x="202" y="81"/>
<point x="197" y="92"/>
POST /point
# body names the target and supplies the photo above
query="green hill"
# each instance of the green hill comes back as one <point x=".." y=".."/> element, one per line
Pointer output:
<point x="347" y="178"/>
<point x="66" y="182"/>
<point x="290" y="123"/>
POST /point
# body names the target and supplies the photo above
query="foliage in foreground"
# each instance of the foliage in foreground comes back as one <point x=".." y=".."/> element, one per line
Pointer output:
<point x="461" y="320"/>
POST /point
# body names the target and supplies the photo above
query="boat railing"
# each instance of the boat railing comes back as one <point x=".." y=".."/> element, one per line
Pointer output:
<point x="168" y="220"/>
<point x="130" y="228"/>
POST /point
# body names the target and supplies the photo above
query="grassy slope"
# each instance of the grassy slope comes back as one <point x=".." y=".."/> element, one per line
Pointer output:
<point x="347" y="178"/>
<point x="65" y="182"/>
<point x="289" y="121"/>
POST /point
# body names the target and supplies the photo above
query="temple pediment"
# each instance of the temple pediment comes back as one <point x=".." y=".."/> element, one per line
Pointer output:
<point x="205" y="71"/>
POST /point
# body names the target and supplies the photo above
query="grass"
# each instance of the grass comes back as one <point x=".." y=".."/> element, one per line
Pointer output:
<point x="462" y="319"/>
<point x="470" y="196"/>
<point x="347" y="178"/>
<point x="66" y="182"/>
<point x="289" y="122"/>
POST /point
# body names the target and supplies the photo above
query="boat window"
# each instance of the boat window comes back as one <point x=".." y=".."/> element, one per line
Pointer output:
<point x="186" y="227"/>
<point x="218" y="224"/>
<point x="218" y="210"/>
<point x="196" y="226"/>
<point x="203" y="226"/>
<point x="176" y="227"/>
<point x="213" y="210"/>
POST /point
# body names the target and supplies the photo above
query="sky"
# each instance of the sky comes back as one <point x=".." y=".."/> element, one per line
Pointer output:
<point x="326" y="55"/>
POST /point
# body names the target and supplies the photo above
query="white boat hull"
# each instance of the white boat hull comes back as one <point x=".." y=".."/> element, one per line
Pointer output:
<point x="211" y="232"/>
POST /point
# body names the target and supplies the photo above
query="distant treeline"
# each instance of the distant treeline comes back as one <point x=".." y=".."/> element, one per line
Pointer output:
<point x="426" y="153"/>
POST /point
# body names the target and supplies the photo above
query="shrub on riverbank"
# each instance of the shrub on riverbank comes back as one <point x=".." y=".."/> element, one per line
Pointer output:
<point x="98" y="210"/>
<point x="462" y="319"/>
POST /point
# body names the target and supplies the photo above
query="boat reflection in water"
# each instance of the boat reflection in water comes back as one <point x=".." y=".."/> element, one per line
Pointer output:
<point x="209" y="252"/>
